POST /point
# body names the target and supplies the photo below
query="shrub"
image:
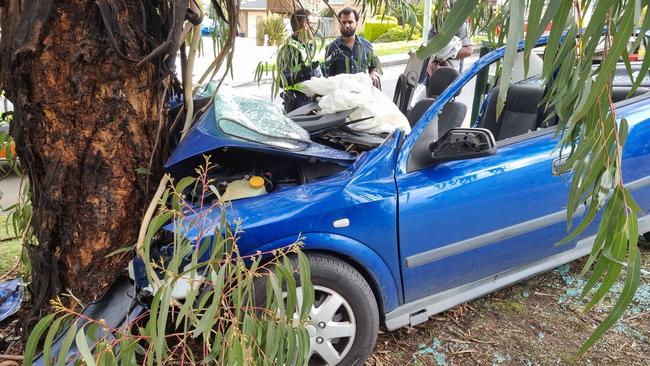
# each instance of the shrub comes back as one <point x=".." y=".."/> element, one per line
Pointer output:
<point x="396" y="34"/>
<point x="378" y="25"/>
<point x="274" y="27"/>
<point x="260" y="22"/>
<point x="271" y="26"/>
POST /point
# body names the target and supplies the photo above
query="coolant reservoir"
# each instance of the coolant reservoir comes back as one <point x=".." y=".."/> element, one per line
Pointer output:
<point x="242" y="188"/>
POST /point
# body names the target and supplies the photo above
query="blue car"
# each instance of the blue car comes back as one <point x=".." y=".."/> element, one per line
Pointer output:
<point x="414" y="224"/>
<point x="207" y="26"/>
<point x="422" y="222"/>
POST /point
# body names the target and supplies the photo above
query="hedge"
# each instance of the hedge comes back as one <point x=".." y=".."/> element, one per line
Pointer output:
<point x="400" y="33"/>
<point x="378" y="25"/>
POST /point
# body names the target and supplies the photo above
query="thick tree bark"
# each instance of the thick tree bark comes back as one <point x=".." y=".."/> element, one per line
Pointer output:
<point x="86" y="123"/>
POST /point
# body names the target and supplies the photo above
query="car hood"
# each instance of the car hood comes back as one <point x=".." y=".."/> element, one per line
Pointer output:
<point x="206" y="137"/>
<point x="369" y="179"/>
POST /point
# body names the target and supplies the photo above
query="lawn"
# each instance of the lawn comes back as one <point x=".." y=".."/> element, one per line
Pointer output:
<point x="9" y="246"/>
<point x="395" y="48"/>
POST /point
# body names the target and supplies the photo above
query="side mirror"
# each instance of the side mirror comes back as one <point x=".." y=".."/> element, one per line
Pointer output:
<point x="463" y="143"/>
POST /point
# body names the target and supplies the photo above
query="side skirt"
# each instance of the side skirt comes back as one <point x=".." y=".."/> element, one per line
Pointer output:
<point x="420" y="310"/>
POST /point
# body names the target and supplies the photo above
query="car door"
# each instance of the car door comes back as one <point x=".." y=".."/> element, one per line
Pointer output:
<point x="464" y="220"/>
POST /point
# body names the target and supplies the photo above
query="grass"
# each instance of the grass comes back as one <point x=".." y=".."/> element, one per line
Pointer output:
<point x="9" y="246"/>
<point x="507" y="306"/>
<point x="395" y="48"/>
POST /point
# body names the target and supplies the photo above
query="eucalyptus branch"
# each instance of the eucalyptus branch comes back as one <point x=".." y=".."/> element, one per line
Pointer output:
<point x="187" y="80"/>
<point x="228" y="47"/>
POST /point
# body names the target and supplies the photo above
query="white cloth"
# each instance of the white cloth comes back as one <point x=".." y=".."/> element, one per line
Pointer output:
<point x="419" y="93"/>
<point x="347" y="91"/>
<point x="450" y="51"/>
<point x="462" y="34"/>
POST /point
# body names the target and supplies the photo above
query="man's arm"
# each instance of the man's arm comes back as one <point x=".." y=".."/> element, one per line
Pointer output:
<point x="464" y="52"/>
<point x="373" y="61"/>
<point x="328" y="62"/>
<point x="373" y="66"/>
<point x="468" y="46"/>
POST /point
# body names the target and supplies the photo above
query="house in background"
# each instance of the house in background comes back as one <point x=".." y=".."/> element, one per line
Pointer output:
<point x="250" y="10"/>
<point x="338" y="5"/>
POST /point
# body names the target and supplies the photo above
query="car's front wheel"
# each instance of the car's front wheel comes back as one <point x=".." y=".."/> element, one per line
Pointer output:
<point x="344" y="319"/>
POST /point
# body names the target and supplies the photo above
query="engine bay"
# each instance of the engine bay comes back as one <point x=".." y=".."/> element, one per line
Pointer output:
<point x="239" y="173"/>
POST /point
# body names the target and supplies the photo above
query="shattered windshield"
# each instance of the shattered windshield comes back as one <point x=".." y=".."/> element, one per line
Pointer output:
<point x="255" y="119"/>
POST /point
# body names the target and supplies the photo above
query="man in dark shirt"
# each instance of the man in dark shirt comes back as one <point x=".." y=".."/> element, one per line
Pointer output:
<point x="350" y="54"/>
<point x="296" y="60"/>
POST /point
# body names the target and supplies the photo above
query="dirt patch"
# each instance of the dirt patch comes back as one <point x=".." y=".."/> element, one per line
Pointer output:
<point x="537" y="322"/>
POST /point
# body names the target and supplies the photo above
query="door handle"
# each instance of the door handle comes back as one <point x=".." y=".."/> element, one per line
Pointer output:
<point x="558" y="164"/>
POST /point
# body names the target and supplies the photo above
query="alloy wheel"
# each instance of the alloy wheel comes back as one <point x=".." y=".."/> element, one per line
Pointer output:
<point x="332" y="327"/>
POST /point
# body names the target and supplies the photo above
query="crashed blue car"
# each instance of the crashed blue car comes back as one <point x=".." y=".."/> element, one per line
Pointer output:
<point x="421" y="222"/>
<point x="416" y="223"/>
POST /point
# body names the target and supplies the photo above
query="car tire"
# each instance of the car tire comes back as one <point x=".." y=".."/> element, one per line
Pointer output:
<point x="337" y="281"/>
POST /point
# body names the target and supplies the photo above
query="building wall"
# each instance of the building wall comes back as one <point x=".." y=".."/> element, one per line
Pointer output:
<point x="338" y="5"/>
<point x="248" y="19"/>
<point x="243" y="22"/>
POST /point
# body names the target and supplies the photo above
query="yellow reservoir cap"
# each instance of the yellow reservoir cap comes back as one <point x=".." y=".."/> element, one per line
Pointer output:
<point x="256" y="181"/>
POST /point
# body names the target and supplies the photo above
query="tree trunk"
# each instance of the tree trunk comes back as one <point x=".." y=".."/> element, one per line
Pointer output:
<point x="86" y="125"/>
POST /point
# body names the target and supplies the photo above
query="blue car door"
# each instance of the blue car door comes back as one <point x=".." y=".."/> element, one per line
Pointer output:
<point x="464" y="220"/>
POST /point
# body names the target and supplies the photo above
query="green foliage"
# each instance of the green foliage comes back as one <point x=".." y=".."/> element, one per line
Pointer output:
<point x="378" y="25"/>
<point x="273" y="27"/>
<point x="453" y="21"/>
<point x="515" y="33"/>
<point x="327" y="12"/>
<point x="260" y="23"/>
<point x="223" y="319"/>
<point x="489" y="20"/>
<point x="590" y="135"/>
<point x="415" y="11"/>
<point x="399" y="33"/>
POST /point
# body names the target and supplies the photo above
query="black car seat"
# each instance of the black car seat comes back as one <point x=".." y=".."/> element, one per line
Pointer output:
<point x="452" y="114"/>
<point x="521" y="112"/>
<point x="488" y="118"/>
<point x="619" y="93"/>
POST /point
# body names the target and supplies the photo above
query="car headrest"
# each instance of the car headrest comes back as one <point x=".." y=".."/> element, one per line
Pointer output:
<point x="524" y="98"/>
<point x="441" y="78"/>
<point x="418" y="110"/>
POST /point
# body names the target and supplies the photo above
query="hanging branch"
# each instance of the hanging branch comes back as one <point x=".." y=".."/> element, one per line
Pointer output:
<point x="232" y="7"/>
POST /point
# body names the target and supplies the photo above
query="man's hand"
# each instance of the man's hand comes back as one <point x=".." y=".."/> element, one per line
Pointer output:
<point x="376" y="82"/>
<point x="432" y="66"/>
